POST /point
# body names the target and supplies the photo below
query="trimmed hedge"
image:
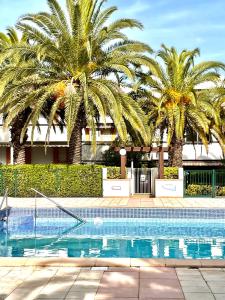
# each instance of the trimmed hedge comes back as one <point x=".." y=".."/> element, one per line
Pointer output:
<point x="171" y="173"/>
<point x="52" y="180"/>
<point x="113" y="173"/>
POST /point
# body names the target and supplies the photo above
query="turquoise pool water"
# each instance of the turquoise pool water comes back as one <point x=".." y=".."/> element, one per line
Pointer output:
<point x="115" y="237"/>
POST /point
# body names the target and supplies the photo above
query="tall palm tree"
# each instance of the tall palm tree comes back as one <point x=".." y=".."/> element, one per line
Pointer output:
<point x="9" y="58"/>
<point x="79" y="61"/>
<point x="174" y="101"/>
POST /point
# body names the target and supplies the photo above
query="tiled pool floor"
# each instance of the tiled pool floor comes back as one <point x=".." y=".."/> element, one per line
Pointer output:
<point x="29" y="283"/>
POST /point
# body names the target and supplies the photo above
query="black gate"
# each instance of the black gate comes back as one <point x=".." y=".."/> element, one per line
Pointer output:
<point x="142" y="179"/>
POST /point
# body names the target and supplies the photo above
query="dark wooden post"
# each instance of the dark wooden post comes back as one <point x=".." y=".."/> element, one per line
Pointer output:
<point x="161" y="163"/>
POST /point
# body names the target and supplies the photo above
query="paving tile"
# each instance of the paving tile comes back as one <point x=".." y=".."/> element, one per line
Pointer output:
<point x="218" y="289"/>
<point x="106" y="297"/>
<point x="157" y="272"/>
<point x="216" y="283"/>
<point x="111" y="293"/>
<point x="187" y="271"/>
<point x="81" y="295"/>
<point x="196" y="289"/>
<point x="86" y="288"/>
<point x="89" y="275"/>
<point x="199" y="296"/>
<point x="197" y="283"/>
<point x="123" y="269"/>
<point x="120" y="280"/>
<point x="157" y="288"/>
<point x="85" y="284"/>
<point x="219" y="296"/>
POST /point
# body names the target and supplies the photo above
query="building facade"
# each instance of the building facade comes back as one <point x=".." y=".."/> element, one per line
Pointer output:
<point x="57" y="150"/>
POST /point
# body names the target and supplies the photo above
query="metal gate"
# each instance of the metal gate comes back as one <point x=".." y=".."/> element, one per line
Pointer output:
<point x="204" y="183"/>
<point x="142" y="181"/>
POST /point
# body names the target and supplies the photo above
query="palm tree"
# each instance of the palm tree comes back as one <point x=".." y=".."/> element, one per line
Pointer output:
<point x="79" y="61"/>
<point x="8" y="57"/>
<point x="174" y="101"/>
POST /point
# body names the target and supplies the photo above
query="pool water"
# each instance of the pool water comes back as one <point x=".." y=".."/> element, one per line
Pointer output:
<point x="118" y="237"/>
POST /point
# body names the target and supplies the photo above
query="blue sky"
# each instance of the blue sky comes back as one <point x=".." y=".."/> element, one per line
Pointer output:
<point x="180" y="23"/>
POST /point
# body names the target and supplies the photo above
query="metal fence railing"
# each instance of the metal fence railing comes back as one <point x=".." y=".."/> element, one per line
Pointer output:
<point x="204" y="183"/>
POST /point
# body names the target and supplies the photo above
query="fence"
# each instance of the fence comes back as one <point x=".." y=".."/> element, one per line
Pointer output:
<point x="204" y="183"/>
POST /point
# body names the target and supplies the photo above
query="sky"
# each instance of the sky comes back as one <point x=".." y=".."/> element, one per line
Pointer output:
<point x="184" y="24"/>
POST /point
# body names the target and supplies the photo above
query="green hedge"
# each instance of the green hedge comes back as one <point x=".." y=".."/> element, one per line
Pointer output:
<point x="198" y="190"/>
<point x="52" y="180"/>
<point x="113" y="173"/>
<point x="171" y="173"/>
<point x="204" y="190"/>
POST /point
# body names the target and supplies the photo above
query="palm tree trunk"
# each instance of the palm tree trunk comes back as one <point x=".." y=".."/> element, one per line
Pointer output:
<point x="75" y="145"/>
<point x="19" y="157"/>
<point x="176" y="153"/>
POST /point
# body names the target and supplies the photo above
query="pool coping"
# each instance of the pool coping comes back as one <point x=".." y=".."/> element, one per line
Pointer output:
<point x="109" y="262"/>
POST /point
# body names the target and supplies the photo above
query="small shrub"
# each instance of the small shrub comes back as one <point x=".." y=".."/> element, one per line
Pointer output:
<point x="198" y="190"/>
<point x="220" y="191"/>
<point x="171" y="173"/>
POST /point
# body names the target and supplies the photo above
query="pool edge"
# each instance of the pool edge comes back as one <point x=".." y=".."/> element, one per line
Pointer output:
<point x="110" y="262"/>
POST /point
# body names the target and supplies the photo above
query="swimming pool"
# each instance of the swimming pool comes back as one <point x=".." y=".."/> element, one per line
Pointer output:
<point x="184" y="234"/>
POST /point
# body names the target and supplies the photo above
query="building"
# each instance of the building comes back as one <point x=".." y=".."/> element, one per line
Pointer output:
<point x="57" y="150"/>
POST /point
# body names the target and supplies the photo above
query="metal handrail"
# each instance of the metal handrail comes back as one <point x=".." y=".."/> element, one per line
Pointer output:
<point x="5" y="198"/>
<point x="60" y="207"/>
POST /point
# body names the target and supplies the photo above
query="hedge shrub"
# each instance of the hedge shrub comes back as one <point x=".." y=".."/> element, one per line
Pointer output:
<point x="52" y="180"/>
<point x="113" y="173"/>
<point x="171" y="173"/>
<point x="198" y="190"/>
<point x="220" y="191"/>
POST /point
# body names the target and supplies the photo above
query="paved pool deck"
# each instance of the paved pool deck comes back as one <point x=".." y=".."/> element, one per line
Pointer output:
<point x="123" y="202"/>
<point x="29" y="283"/>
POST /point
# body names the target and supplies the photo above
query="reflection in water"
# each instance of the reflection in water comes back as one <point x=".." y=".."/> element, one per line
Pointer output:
<point x="143" y="238"/>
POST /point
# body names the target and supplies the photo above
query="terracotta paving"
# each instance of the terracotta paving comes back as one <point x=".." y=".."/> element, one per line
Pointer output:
<point x="99" y="283"/>
<point x="123" y="202"/>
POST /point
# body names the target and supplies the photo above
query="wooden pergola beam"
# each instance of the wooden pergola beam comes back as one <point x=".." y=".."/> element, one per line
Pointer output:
<point x="142" y="149"/>
<point x="159" y="150"/>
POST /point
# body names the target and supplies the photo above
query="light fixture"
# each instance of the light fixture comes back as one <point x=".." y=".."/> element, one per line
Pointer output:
<point x="123" y="152"/>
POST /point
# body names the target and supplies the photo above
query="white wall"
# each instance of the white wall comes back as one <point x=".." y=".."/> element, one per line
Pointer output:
<point x="116" y="188"/>
<point x="173" y="188"/>
<point x="198" y="152"/>
<point x="4" y="135"/>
